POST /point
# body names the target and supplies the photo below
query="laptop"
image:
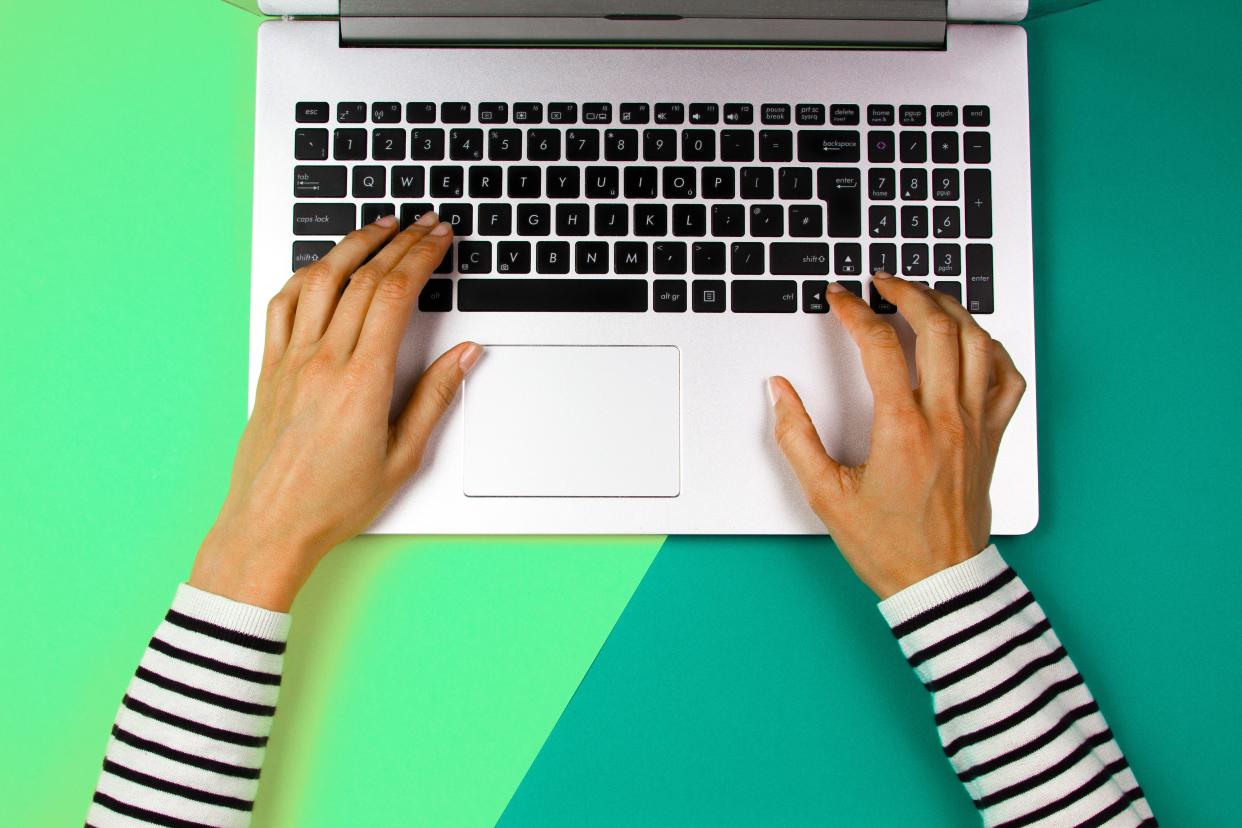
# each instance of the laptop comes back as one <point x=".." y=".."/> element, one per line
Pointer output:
<point x="649" y="198"/>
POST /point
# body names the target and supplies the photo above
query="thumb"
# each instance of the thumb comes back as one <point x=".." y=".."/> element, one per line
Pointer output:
<point x="817" y="471"/>
<point x="432" y="396"/>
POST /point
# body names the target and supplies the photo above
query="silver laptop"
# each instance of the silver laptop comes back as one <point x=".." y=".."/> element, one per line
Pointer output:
<point x="650" y="197"/>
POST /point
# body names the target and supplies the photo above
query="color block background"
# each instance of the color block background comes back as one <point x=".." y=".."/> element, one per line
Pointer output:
<point x="748" y="681"/>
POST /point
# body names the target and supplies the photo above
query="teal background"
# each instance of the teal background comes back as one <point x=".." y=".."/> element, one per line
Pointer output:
<point x="746" y="681"/>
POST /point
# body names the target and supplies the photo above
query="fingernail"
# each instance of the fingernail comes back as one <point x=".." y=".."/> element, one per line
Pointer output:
<point x="442" y="229"/>
<point x="427" y="219"/>
<point x="469" y="357"/>
<point x="834" y="287"/>
<point x="386" y="221"/>
<point x="774" y="391"/>
<point x="880" y="274"/>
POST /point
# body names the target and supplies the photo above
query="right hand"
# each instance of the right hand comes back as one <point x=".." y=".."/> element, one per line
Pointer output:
<point x="919" y="503"/>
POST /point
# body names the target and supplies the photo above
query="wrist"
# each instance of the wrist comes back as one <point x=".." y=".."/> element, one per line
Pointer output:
<point x="244" y="568"/>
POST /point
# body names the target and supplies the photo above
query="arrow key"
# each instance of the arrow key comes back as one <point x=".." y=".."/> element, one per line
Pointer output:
<point x="814" y="299"/>
<point x="848" y="259"/>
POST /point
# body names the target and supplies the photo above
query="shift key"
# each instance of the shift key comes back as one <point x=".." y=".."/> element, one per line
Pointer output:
<point x="324" y="219"/>
<point x="798" y="259"/>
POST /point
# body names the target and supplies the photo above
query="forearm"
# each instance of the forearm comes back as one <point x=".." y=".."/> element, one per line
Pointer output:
<point x="188" y="742"/>
<point x="1016" y="720"/>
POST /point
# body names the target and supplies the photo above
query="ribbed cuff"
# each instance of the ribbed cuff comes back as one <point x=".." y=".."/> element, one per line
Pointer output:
<point x="946" y="584"/>
<point x="232" y="615"/>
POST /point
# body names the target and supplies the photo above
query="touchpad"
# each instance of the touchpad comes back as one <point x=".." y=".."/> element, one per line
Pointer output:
<point x="573" y="421"/>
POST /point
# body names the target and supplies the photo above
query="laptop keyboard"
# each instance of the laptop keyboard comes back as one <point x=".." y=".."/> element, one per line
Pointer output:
<point x="664" y="207"/>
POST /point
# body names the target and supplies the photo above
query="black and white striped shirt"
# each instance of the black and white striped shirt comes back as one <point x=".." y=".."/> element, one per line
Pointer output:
<point x="1015" y="718"/>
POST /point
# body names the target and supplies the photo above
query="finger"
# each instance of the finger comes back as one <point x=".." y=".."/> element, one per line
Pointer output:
<point x="433" y="394"/>
<point x="817" y="472"/>
<point x="976" y="355"/>
<point x="280" y="312"/>
<point x="351" y="310"/>
<point x="936" y="339"/>
<point x="395" y="295"/>
<point x="882" y="359"/>
<point x="321" y="285"/>
<point x="1006" y="393"/>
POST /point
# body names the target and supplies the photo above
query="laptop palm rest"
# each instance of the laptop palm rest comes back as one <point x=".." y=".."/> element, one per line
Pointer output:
<point x="573" y="421"/>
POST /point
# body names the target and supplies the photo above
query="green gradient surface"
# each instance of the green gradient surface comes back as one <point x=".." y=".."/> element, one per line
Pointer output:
<point x="752" y="682"/>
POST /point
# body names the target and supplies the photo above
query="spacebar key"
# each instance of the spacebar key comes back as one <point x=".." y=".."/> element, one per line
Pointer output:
<point x="556" y="295"/>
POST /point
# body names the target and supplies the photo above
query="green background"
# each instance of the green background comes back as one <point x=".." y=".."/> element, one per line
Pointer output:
<point x="437" y="681"/>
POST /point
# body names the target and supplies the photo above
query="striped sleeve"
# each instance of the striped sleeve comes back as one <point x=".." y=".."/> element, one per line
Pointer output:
<point x="188" y="741"/>
<point x="1016" y="720"/>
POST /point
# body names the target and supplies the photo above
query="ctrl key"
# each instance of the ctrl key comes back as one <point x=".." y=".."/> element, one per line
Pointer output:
<point x="324" y="219"/>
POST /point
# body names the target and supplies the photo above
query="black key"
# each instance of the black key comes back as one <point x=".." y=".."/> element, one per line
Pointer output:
<point x="474" y="257"/>
<point x="543" y="145"/>
<point x="944" y="147"/>
<point x="707" y="258"/>
<point x="698" y="145"/>
<point x="774" y="113"/>
<point x="324" y="219"/>
<point x="944" y="115"/>
<point x="879" y="304"/>
<point x="881" y="146"/>
<point x="465" y="144"/>
<point x="309" y="252"/>
<point x="979" y="289"/>
<point x="806" y="221"/>
<point x="427" y="144"/>
<point x="386" y="112"/>
<point x="495" y="219"/>
<point x="882" y="184"/>
<point x="746" y="258"/>
<point x="407" y="182"/>
<point x="446" y="264"/>
<point x="635" y="113"/>
<point x="564" y="182"/>
<point x="914" y="185"/>
<point x="798" y="258"/>
<point x="680" y="182"/>
<point x="552" y="257"/>
<point x="528" y="113"/>
<point x="670" y="113"/>
<point x="767" y="221"/>
<point x="612" y="220"/>
<point x="513" y="257"/>
<point x="534" y="219"/>
<point x="883" y="221"/>
<point x="845" y="114"/>
<point x="690" y="220"/>
<point x="630" y="257"/>
<point x="668" y="296"/>
<point x="848" y="259"/>
<point x="659" y="145"/>
<point x="737" y="145"/>
<point x="946" y="222"/>
<point x="978" y="204"/>
<point x="388" y="144"/>
<point x="913" y="115"/>
<point x="455" y="113"/>
<point x="310" y="144"/>
<point x="946" y="185"/>
<point x="755" y="296"/>
<point x="976" y="148"/>
<point x="602" y="182"/>
<point x="650" y="220"/>
<point x="554" y="295"/>
<point x="828" y="146"/>
<point x="312" y="112"/>
<point x="880" y="115"/>
<point x="494" y="113"/>
<point x="853" y="287"/>
<point x="707" y="296"/>
<point x="739" y="113"/>
<point x="775" y="145"/>
<point x="597" y="113"/>
<point x="948" y="261"/>
<point x="319" y="182"/>
<point x="704" y="113"/>
<point x="640" y="182"/>
<point x="411" y="212"/>
<point x="486" y="182"/>
<point x="883" y="258"/>
<point x="621" y="144"/>
<point x="914" y="260"/>
<point x="728" y="220"/>
<point x="953" y="289"/>
<point x="914" y="222"/>
<point x="446" y="182"/>
<point x="757" y="182"/>
<point x="718" y="182"/>
<point x="841" y="189"/>
<point x="815" y="297"/>
<point x="810" y="114"/>
<point x="913" y="147"/>
<point x="591" y="258"/>
<point x="668" y="258"/>
<point x="436" y="296"/>
<point x="582" y="144"/>
<point x="420" y="112"/>
<point x="976" y="115"/>
<point x="369" y="181"/>
<point x="563" y="113"/>
<point x="504" y="144"/>
<point x="460" y="216"/>
<point x="573" y="219"/>
<point x="351" y="112"/>
<point x="525" y="182"/>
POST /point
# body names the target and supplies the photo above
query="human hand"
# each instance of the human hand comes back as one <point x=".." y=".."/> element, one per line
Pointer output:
<point x="919" y="503"/>
<point x="319" y="458"/>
